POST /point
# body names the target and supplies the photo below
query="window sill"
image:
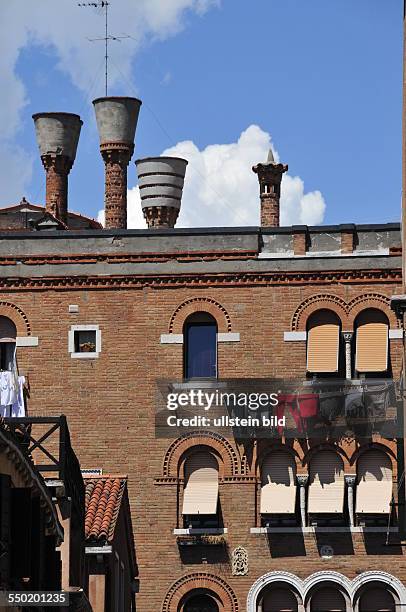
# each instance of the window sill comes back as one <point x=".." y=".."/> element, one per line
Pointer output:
<point x="84" y="355"/>
<point x="304" y="530"/>
<point x="207" y="531"/>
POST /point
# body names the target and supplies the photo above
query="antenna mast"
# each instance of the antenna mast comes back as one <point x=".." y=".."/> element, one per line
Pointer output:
<point x="104" y="6"/>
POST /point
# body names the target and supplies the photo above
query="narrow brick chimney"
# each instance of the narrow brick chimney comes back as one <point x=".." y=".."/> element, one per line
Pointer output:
<point x="161" y="182"/>
<point x="57" y="137"/>
<point x="116" y="119"/>
<point x="270" y="178"/>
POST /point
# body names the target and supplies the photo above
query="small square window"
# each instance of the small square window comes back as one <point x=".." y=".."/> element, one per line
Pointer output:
<point x="84" y="341"/>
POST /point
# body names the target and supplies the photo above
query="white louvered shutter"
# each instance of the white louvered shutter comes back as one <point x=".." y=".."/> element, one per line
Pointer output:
<point x="326" y="483"/>
<point x="374" y="488"/>
<point x="201" y="484"/>
<point x="278" y="488"/>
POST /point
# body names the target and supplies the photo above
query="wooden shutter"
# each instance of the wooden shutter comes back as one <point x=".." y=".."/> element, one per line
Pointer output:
<point x="278" y="488"/>
<point x="377" y="600"/>
<point x="326" y="483"/>
<point x="328" y="599"/>
<point x="374" y="489"/>
<point x="201" y="484"/>
<point x="372" y="339"/>
<point x="280" y="600"/>
<point x="323" y="341"/>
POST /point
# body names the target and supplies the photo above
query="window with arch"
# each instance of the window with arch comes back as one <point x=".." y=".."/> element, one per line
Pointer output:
<point x="278" y="486"/>
<point x="200" y="346"/>
<point x="328" y="599"/>
<point x="201" y="603"/>
<point x="376" y="597"/>
<point x="326" y="486"/>
<point x="201" y="490"/>
<point x="279" y="598"/>
<point x="374" y="484"/>
<point x="323" y="343"/>
<point x="8" y="336"/>
<point x="372" y="342"/>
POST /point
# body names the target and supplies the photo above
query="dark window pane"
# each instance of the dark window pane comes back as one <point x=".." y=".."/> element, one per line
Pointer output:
<point x="85" y="341"/>
<point x="201" y="344"/>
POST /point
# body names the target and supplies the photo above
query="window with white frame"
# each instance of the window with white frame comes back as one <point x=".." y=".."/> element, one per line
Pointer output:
<point x="84" y="341"/>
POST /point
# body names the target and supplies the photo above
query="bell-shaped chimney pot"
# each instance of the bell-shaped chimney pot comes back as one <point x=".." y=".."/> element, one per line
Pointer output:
<point x="161" y="182"/>
<point x="116" y="119"/>
<point x="57" y="137"/>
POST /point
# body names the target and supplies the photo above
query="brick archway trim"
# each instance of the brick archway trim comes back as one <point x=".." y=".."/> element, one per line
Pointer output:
<point x="195" y="438"/>
<point x="346" y="311"/>
<point x="200" y="304"/>
<point x="19" y="318"/>
<point x="200" y="580"/>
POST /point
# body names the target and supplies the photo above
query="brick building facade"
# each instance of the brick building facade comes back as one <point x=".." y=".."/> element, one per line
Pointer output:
<point x="101" y="315"/>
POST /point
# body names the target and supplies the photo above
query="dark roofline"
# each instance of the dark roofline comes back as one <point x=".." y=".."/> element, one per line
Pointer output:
<point x="198" y="231"/>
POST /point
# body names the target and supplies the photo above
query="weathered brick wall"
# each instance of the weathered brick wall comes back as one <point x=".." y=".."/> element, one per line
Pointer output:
<point x="110" y="404"/>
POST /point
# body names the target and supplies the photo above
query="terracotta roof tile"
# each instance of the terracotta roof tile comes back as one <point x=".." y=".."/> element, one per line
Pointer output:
<point x="102" y="504"/>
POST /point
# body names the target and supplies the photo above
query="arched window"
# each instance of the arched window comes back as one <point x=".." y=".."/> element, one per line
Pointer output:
<point x="200" y="346"/>
<point x="278" y="486"/>
<point x="8" y="335"/>
<point x="372" y="341"/>
<point x="377" y="598"/>
<point x="374" y="483"/>
<point x="201" y="603"/>
<point x="279" y="599"/>
<point x="328" y="599"/>
<point x="323" y="342"/>
<point x="326" y="483"/>
<point x="200" y="495"/>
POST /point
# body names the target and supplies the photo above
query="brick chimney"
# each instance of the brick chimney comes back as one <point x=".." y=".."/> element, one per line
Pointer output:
<point x="116" y="119"/>
<point x="161" y="182"/>
<point x="57" y="137"/>
<point x="270" y="178"/>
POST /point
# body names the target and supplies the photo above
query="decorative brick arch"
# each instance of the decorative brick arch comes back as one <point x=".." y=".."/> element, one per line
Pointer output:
<point x="323" y="301"/>
<point x="200" y="304"/>
<point x="200" y="580"/>
<point x="374" y="446"/>
<point x="19" y="318"/>
<point x="173" y="456"/>
<point x="372" y="300"/>
<point x="275" y="447"/>
<point x="327" y="447"/>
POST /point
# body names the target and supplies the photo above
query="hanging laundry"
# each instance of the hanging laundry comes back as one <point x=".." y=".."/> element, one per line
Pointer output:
<point x="8" y="388"/>
<point x="18" y="407"/>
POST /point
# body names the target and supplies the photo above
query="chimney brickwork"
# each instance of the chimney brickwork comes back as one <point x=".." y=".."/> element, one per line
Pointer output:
<point x="116" y="159"/>
<point x="57" y="168"/>
<point x="270" y="177"/>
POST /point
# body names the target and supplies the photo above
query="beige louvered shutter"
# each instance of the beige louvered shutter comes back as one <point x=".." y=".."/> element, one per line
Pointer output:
<point x="374" y="488"/>
<point x="8" y="330"/>
<point x="326" y="483"/>
<point x="280" y="600"/>
<point x="377" y="600"/>
<point x="323" y="342"/>
<point x="372" y="342"/>
<point x="201" y="484"/>
<point x="328" y="600"/>
<point x="278" y="487"/>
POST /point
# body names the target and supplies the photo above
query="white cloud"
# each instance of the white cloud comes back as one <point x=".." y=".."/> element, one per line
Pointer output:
<point x="65" y="28"/>
<point x="221" y="189"/>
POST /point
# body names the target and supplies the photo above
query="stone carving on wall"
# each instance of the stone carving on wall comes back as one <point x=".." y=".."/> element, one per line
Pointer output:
<point x="239" y="561"/>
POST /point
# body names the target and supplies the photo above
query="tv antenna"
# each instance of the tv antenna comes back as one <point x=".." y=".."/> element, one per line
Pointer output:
<point x="104" y="6"/>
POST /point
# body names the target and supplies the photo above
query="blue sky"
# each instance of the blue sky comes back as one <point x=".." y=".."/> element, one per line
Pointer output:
<point x="320" y="78"/>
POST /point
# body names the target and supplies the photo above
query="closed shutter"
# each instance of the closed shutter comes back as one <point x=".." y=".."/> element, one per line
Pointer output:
<point x="8" y="330"/>
<point x="201" y="484"/>
<point x="374" y="488"/>
<point x="372" y="342"/>
<point x="280" y="600"/>
<point x="326" y="483"/>
<point x="377" y="600"/>
<point x="278" y="490"/>
<point x="328" y="600"/>
<point x="323" y="340"/>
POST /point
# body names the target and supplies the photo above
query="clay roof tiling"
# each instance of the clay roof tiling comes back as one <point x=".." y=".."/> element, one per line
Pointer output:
<point x="103" y="501"/>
